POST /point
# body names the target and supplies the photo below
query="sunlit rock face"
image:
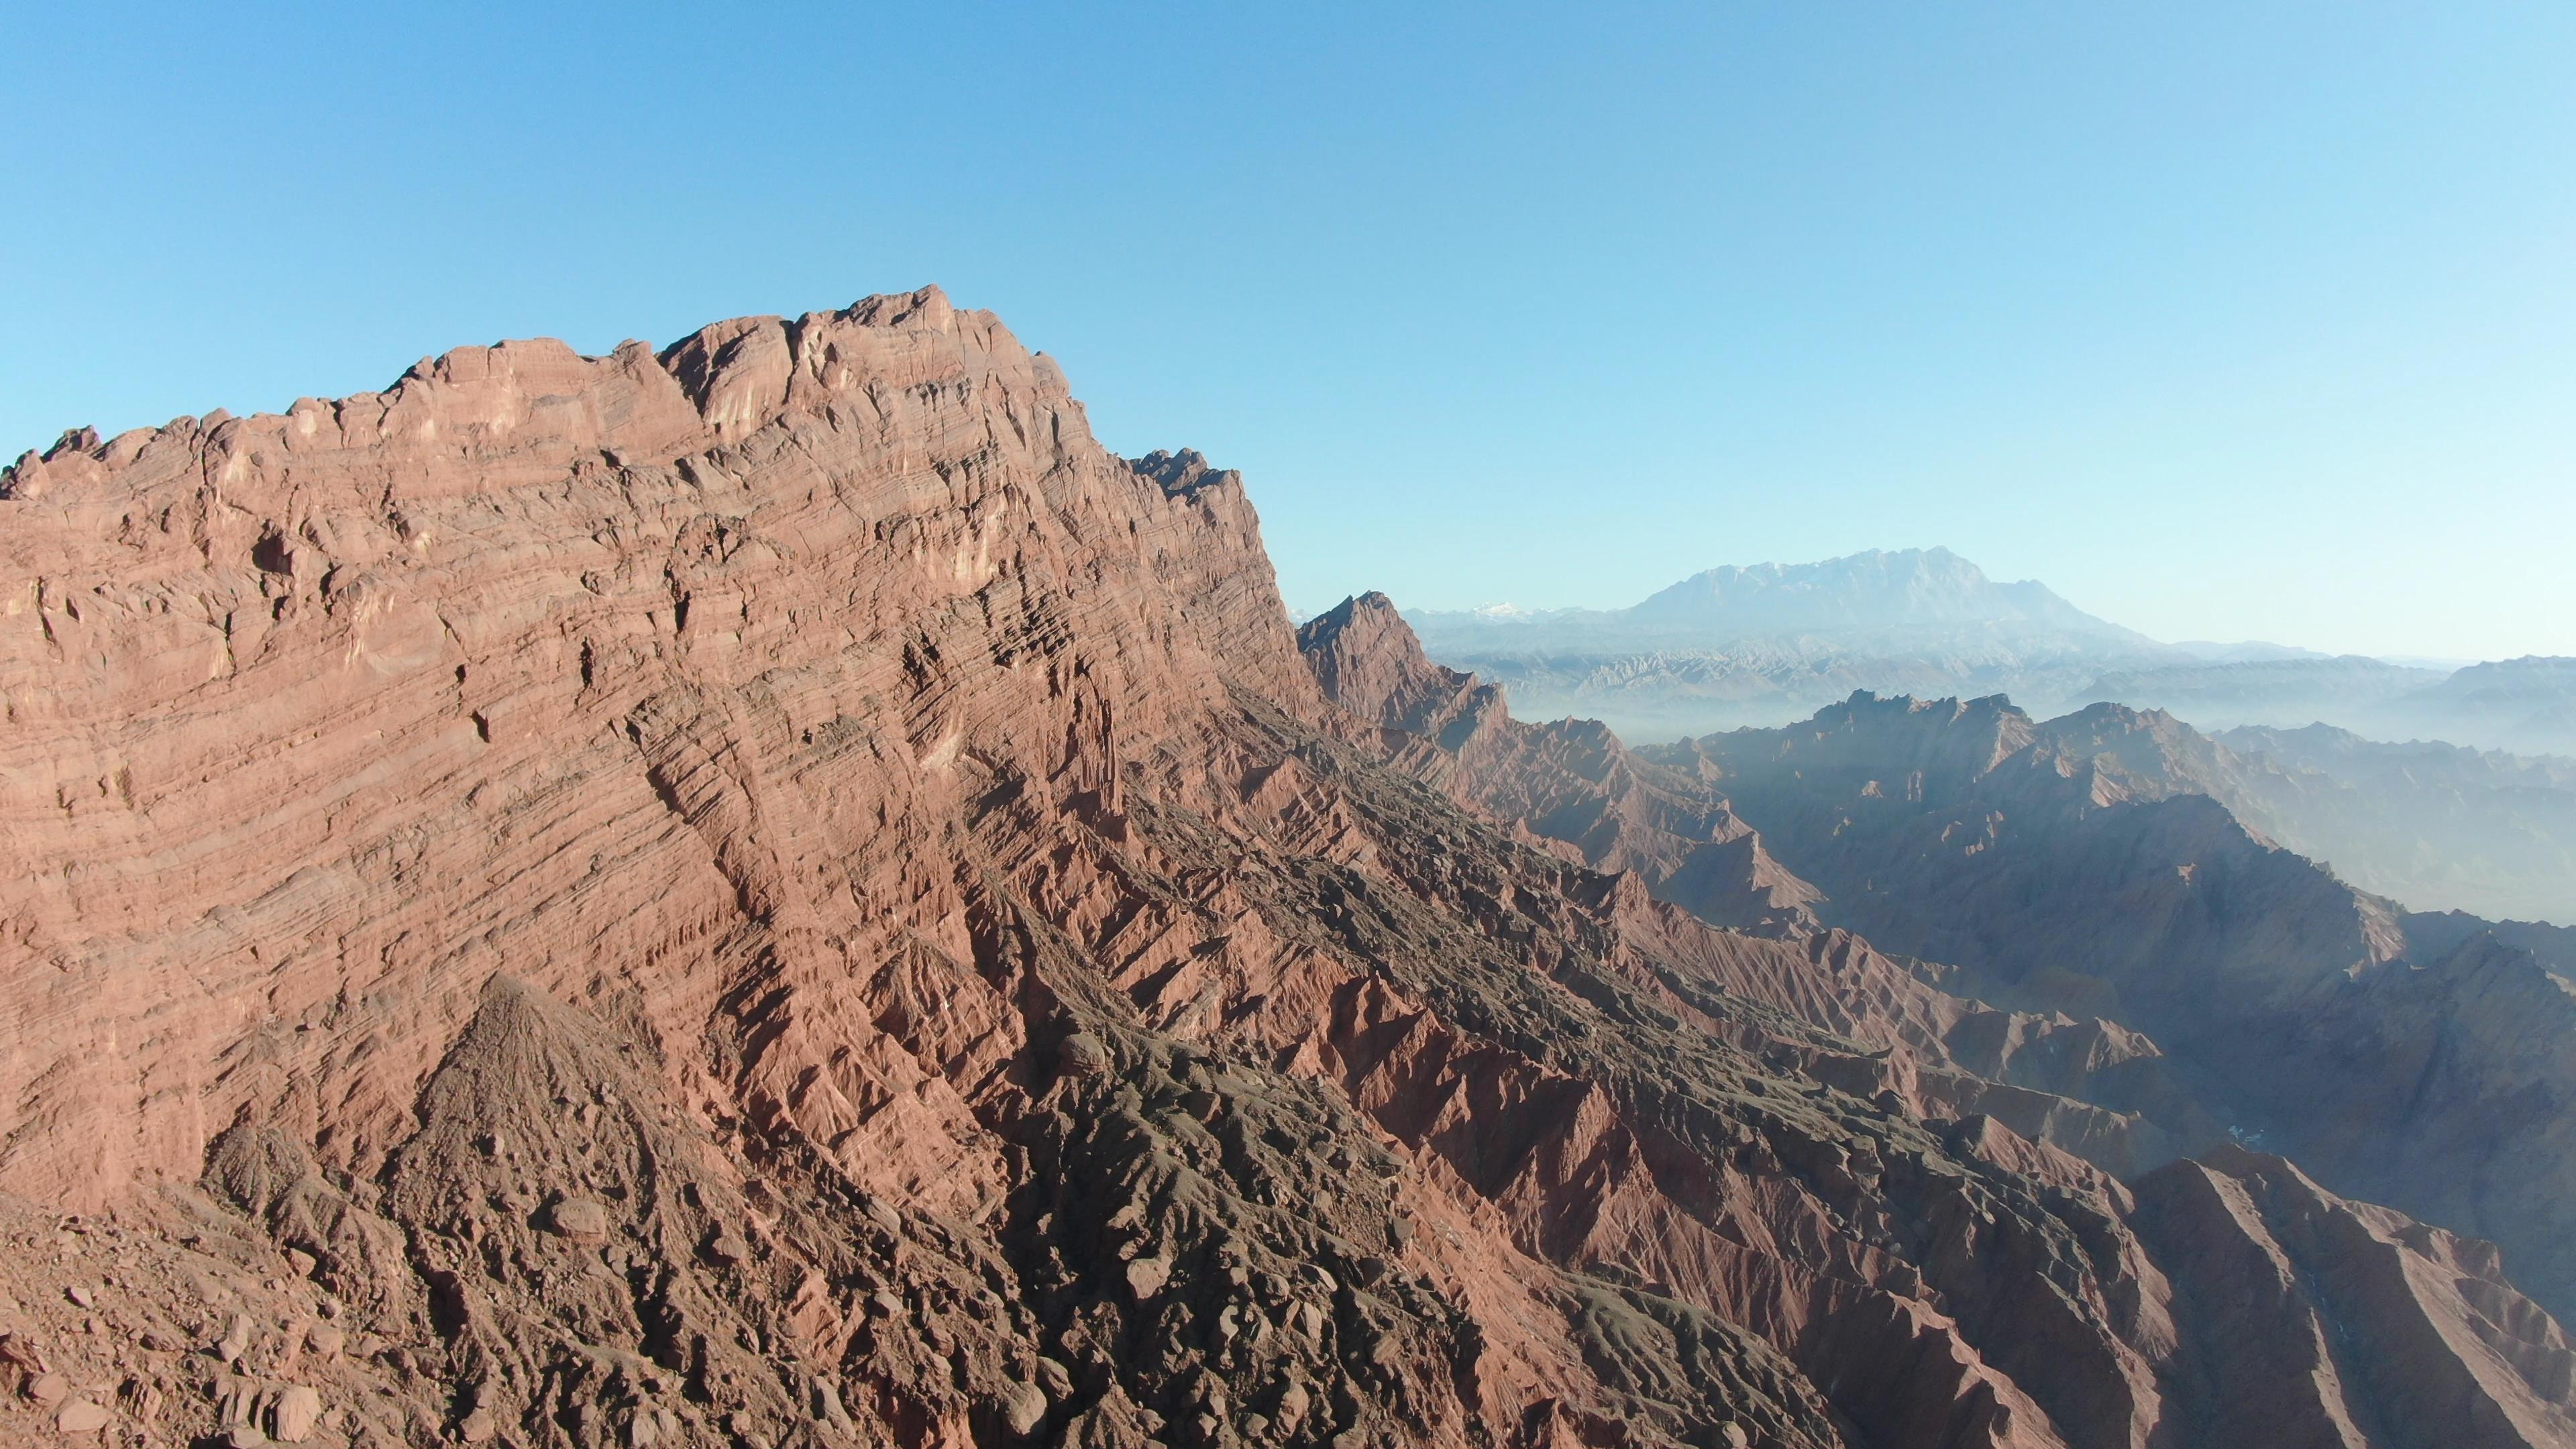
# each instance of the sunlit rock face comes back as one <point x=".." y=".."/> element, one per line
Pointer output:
<point x="773" y="892"/>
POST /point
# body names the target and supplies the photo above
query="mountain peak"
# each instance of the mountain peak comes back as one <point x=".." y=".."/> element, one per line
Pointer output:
<point x="1365" y="656"/>
<point x="1875" y="590"/>
<point x="1185" y="473"/>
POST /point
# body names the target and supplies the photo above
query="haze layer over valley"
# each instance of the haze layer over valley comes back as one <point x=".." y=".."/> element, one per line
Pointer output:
<point x="2444" y="789"/>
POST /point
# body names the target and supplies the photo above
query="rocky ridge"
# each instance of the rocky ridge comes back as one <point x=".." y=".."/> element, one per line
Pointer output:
<point x="773" y="892"/>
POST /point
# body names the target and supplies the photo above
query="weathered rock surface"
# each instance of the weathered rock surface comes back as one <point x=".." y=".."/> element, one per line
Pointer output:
<point x="2449" y="1355"/>
<point x="773" y="892"/>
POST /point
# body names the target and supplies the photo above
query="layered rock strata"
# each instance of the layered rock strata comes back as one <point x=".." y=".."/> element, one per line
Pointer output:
<point x="773" y="892"/>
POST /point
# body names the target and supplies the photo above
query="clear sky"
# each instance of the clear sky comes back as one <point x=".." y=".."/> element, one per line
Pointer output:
<point x="2225" y="320"/>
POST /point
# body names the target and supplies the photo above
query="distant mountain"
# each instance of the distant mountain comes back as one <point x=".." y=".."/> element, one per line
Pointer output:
<point x="1866" y="593"/>
<point x="2438" y="826"/>
<point x="2536" y="681"/>
<point x="2088" y="865"/>
<point x="1764" y="644"/>
<point x="2248" y="649"/>
<point x="2346" y="688"/>
<point x="2294" y="737"/>
<point x="2526" y="704"/>
<point x="1873" y="594"/>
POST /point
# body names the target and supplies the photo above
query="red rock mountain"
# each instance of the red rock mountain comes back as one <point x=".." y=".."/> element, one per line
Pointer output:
<point x="772" y="892"/>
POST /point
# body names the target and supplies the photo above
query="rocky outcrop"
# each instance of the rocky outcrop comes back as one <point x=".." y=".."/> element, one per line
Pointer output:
<point x="773" y="892"/>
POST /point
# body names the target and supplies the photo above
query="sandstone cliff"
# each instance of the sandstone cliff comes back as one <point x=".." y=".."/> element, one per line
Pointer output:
<point x="773" y="892"/>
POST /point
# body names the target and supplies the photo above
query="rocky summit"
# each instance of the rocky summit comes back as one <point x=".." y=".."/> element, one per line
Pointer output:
<point x="773" y="892"/>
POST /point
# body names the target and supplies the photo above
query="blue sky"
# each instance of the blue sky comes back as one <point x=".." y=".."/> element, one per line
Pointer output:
<point x="2226" y="321"/>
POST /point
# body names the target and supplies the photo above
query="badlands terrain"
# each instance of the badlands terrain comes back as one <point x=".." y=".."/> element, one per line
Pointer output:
<point x="770" y="891"/>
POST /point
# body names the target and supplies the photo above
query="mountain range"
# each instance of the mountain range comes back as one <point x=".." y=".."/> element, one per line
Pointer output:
<point x="771" y="891"/>
<point x="1761" y="646"/>
<point x="1876" y="591"/>
<point x="2438" y="826"/>
<point x="2426" y="823"/>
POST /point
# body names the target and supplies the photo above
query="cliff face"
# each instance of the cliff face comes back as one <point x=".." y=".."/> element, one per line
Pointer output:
<point x="775" y="893"/>
<point x="566" y="666"/>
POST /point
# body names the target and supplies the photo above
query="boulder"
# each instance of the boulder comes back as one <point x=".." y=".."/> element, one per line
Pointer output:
<point x="579" y="1218"/>
<point x="295" y="1415"/>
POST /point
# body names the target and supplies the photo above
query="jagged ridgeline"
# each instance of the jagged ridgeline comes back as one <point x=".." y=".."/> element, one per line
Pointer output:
<point x="772" y="892"/>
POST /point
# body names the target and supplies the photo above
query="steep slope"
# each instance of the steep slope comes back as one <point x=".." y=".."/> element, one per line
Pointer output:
<point x="2258" y="1243"/>
<point x="2080" y="865"/>
<point x="1569" y="787"/>
<point x="775" y="893"/>
<point x="569" y="663"/>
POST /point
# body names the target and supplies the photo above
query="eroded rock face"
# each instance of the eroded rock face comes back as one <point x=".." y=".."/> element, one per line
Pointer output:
<point x="560" y="663"/>
<point x="772" y="892"/>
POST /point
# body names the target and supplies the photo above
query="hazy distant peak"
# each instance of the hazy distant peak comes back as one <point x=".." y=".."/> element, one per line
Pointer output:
<point x="1879" y="589"/>
<point x="2244" y="651"/>
<point x="2548" y="676"/>
<point x="1937" y="565"/>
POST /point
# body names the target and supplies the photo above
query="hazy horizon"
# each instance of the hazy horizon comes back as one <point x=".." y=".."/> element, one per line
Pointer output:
<point x="1309" y="607"/>
<point x="2223" y="325"/>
